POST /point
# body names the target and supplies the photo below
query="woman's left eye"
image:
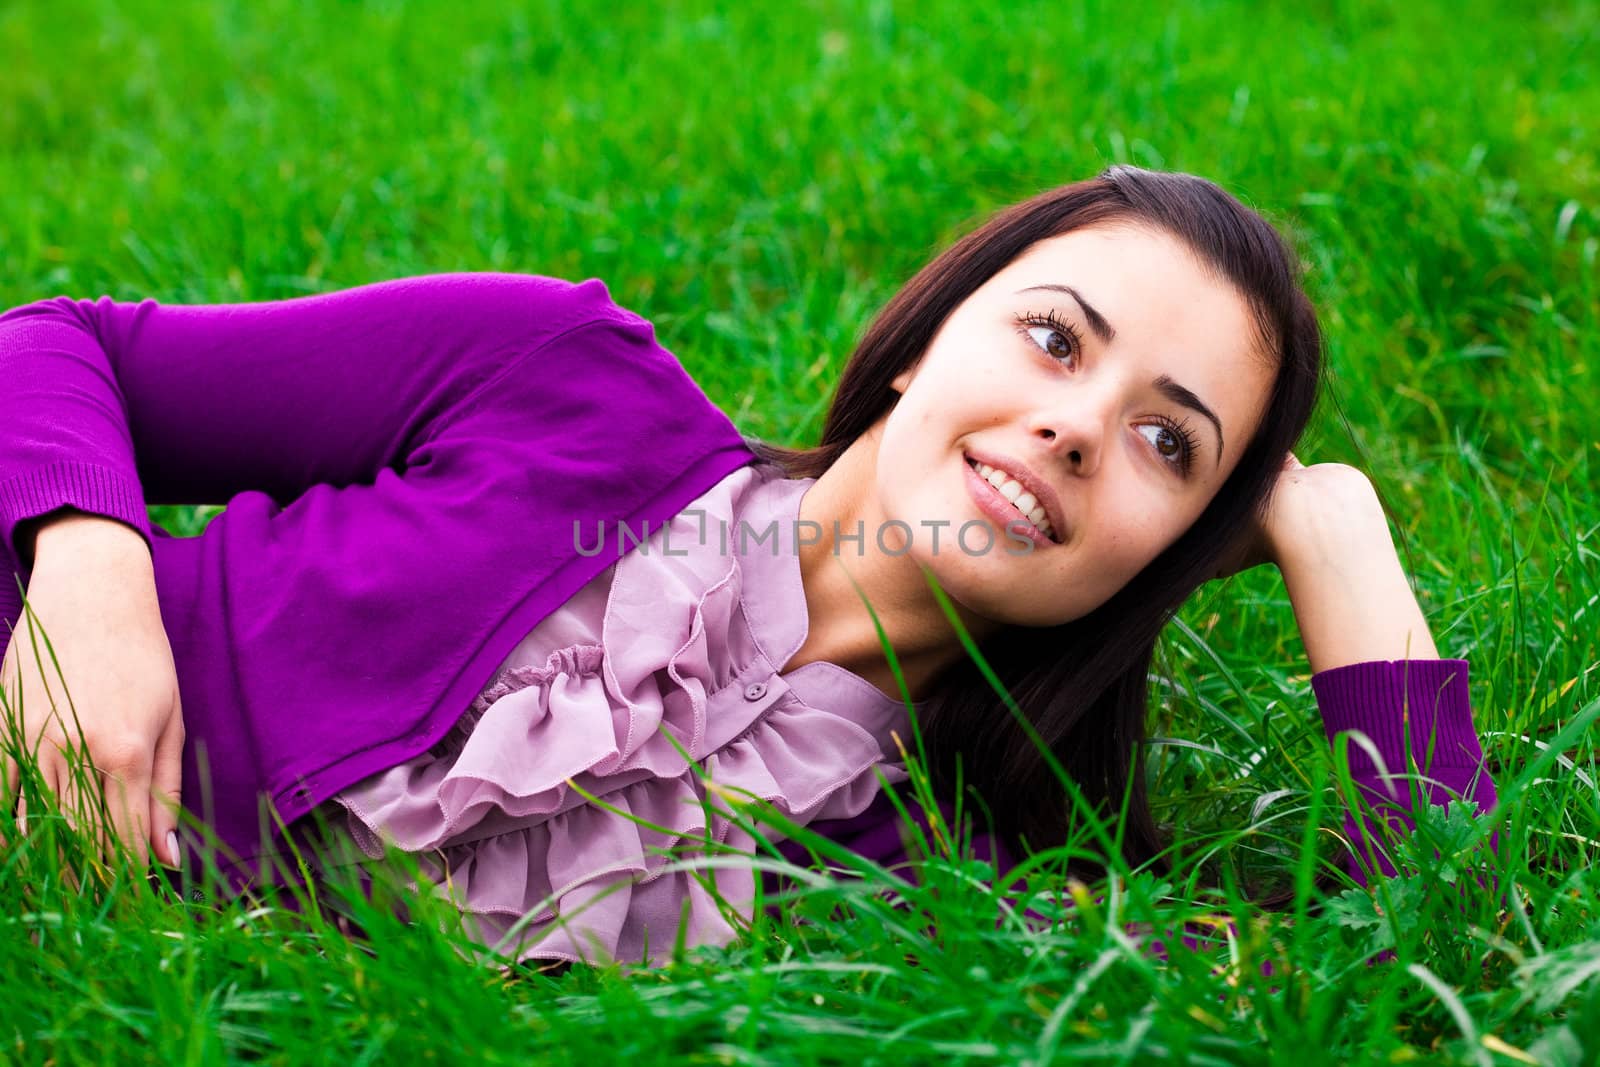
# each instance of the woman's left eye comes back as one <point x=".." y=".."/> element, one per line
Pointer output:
<point x="1171" y="443"/>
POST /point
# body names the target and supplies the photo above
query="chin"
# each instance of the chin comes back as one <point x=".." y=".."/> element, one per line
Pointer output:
<point x="978" y="595"/>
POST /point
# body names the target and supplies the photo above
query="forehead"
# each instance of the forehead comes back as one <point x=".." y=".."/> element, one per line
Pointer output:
<point x="1133" y="269"/>
<point x="1173" y="314"/>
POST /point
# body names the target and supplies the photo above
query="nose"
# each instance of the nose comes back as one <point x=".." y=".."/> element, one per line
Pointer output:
<point x="1076" y="432"/>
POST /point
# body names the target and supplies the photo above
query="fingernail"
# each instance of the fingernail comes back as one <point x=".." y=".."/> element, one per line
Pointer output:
<point x="172" y="850"/>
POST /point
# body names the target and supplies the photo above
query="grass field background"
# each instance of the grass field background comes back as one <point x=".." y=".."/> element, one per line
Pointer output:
<point x="757" y="180"/>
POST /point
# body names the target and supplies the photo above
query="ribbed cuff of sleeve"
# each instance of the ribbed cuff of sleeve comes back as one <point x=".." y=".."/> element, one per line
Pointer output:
<point x="1391" y="702"/>
<point x="1421" y="702"/>
<point x="89" y="487"/>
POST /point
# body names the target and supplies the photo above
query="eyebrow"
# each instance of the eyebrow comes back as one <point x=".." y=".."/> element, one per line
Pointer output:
<point x="1168" y="388"/>
<point x="1097" y="322"/>
<point x="1185" y="398"/>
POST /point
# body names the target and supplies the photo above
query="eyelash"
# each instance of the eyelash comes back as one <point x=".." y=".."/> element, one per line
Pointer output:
<point x="1050" y="320"/>
<point x="1187" y="444"/>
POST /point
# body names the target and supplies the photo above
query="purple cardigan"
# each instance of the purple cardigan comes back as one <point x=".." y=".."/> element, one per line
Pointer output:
<point x="402" y="463"/>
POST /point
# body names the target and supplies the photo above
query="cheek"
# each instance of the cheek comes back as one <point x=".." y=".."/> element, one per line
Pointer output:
<point x="908" y="483"/>
<point x="1139" y="530"/>
<point x="1116" y="566"/>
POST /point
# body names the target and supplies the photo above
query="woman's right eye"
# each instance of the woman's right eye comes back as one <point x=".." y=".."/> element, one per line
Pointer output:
<point x="1053" y="337"/>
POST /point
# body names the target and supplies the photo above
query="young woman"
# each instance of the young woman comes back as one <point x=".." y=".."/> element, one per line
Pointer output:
<point x="498" y="584"/>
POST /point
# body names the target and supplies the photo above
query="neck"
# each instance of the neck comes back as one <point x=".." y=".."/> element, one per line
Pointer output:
<point x="840" y="629"/>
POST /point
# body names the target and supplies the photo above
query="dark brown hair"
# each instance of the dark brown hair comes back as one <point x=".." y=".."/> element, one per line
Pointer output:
<point x="1083" y="685"/>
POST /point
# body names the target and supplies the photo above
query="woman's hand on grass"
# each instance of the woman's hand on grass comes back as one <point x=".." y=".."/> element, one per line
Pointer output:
<point x="1325" y="530"/>
<point x="92" y="593"/>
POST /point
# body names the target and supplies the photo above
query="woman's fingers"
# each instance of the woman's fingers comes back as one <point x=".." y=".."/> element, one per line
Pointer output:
<point x="135" y="791"/>
<point x="166" y="787"/>
<point x="127" y="792"/>
<point x="78" y="792"/>
<point x="55" y="779"/>
<point x="130" y="799"/>
<point x="74" y="803"/>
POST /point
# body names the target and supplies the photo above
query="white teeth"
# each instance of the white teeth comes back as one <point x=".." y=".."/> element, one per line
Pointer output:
<point x="1023" y="501"/>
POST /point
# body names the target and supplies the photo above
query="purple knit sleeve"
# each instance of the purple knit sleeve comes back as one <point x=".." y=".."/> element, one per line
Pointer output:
<point x="110" y="406"/>
<point x="1422" y="704"/>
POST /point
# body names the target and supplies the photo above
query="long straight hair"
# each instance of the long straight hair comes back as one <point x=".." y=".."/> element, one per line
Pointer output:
<point x="1083" y="685"/>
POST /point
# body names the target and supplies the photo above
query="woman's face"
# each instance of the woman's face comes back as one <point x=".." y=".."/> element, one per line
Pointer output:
<point x="1115" y="367"/>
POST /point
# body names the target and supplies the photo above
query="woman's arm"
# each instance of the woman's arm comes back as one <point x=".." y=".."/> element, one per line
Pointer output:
<point x="110" y="406"/>
<point x="1378" y="673"/>
<point x="405" y="461"/>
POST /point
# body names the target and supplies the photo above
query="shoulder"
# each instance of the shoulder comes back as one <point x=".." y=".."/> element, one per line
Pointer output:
<point x="522" y="309"/>
<point x="565" y="355"/>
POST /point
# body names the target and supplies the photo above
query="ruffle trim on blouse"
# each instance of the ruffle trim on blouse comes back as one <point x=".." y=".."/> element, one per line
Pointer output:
<point x="506" y="835"/>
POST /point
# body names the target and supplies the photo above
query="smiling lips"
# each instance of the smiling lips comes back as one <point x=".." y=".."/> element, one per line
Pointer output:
<point x="1021" y="490"/>
<point x="1003" y="510"/>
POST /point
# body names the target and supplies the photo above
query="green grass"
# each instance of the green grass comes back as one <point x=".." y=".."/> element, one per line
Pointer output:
<point x="757" y="181"/>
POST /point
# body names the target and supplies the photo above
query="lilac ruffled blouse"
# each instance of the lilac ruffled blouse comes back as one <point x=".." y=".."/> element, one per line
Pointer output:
<point x="658" y="648"/>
